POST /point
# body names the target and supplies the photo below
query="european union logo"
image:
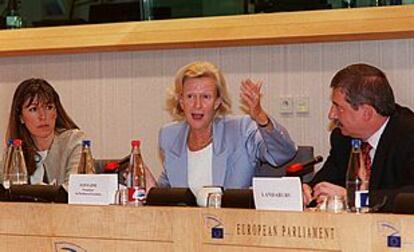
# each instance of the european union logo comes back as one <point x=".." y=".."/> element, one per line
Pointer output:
<point x="217" y="233"/>
<point x="364" y="199"/>
<point x="394" y="241"/>
<point x="67" y="246"/>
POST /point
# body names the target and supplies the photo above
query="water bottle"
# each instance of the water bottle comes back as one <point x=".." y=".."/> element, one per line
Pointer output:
<point x="6" y="162"/>
<point x="362" y="3"/>
<point x="136" y="178"/>
<point x="357" y="183"/>
<point x="86" y="163"/>
<point x="13" y="18"/>
<point x="378" y="3"/>
<point x="348" y="3"/>
<point x="16" y="171"/>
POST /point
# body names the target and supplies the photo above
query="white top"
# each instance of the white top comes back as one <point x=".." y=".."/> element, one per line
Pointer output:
<point x="200" y="168"/>
<point x="37" y="177"/>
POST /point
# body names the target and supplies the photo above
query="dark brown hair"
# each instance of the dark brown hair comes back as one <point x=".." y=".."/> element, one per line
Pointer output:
<point x="25" y="93"/>
<point x="365" y="84"/>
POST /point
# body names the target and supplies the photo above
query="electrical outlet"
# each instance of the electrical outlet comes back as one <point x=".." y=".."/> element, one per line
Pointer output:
<point x="286" y="105"/>
<point x="302" y="104"/>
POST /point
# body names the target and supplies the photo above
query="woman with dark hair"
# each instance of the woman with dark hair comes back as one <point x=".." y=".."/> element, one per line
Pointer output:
<point x="51" y="140"/>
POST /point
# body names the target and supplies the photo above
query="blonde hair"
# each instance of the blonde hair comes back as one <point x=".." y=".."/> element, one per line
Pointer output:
<point x="198" y="69"/>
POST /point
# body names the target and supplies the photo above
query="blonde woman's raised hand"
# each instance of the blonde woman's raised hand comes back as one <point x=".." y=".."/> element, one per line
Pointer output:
<point x="251" y="96"/>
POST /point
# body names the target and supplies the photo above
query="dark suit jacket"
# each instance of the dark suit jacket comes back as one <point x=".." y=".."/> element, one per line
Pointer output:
<point x="393" y="165"/>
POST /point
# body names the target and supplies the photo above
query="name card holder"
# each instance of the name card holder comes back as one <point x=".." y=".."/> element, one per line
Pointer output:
<point x="283" y="194"/>
<point x="92" y="189"/>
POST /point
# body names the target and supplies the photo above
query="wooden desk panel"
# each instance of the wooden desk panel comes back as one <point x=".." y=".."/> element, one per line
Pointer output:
<point x="31" y="244"/>
<point x="45" y="227"/>
<point x="24" y="227"/>
<point x="309" y="231"/>
<point x="96" y="222"/>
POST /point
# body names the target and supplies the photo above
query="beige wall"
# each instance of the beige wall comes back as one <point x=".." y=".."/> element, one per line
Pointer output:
<point x="115" y="97"/>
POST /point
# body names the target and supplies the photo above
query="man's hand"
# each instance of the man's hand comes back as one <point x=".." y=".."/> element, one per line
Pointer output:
<point x="307" y="194"/>
<point x="325" y="189"/>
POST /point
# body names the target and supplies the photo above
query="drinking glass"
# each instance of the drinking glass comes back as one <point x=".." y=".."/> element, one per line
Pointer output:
<point x="336" y="204"/>
<point x="214" y="200"/>
<point x="203" y="194"/>
<point x="121" y="197"/>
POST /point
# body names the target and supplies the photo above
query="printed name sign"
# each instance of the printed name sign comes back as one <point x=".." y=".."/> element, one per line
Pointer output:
<point x="92" y="189"/>
<point x="283" y="194"/>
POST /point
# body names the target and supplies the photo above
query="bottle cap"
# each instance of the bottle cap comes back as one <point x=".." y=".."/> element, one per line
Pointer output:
<point x="10" y="142"/>
<point x="86" y="143"/>
<point x="17" y="142"/>
<point x="136" y="143"/>
<point x="111" y="166"/>
<point x="356" y="143"/>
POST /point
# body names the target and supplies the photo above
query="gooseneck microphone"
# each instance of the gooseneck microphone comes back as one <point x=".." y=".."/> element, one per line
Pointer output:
<point x="117" y="166"/>
<point x="301" y="169"/>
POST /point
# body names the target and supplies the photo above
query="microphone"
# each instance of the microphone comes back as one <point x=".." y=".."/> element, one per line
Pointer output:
<point x="301" y="169"/>
<point x="117" y="166"/>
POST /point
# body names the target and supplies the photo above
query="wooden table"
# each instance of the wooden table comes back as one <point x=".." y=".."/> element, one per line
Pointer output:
<point x="50" y="227"/>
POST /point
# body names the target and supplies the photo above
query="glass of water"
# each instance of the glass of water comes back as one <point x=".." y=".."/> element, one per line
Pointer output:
<point x="121" y="197"/>
<point x="336" y="204"/>
<point x="214" y="200"/>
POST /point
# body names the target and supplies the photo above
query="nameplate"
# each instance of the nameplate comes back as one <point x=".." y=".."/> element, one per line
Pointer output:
<point x="92" y="189"/>
<point x="284" y="194"/>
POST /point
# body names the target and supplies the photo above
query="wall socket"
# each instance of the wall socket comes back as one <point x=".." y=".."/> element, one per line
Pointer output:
<point x="286" y="105"/>
<point x="302" y="104"/>
<point x="289" y="105"/>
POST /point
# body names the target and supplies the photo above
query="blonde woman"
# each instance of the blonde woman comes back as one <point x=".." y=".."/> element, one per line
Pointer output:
<point x="206" y="146"/>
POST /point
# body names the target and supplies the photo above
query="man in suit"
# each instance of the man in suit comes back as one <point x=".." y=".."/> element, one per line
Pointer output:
<point x="363" y="107"/>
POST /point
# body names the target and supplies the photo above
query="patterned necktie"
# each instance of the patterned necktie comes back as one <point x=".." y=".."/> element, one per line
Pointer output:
<point x="365" y="149"/>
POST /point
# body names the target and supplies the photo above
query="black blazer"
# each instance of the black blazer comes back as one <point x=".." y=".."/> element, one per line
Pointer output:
<point x="393" y="165"/>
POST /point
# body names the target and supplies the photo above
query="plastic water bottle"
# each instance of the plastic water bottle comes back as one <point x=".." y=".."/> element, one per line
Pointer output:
<point x="17" y="170"/>
<point x="356" y="183"/>
<point x="348" y="3"/>
<point x="13" y="18"/>
<point x="6" y="163"/>
<point x="136" y="178"/>
<point x="86" y="163"/>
